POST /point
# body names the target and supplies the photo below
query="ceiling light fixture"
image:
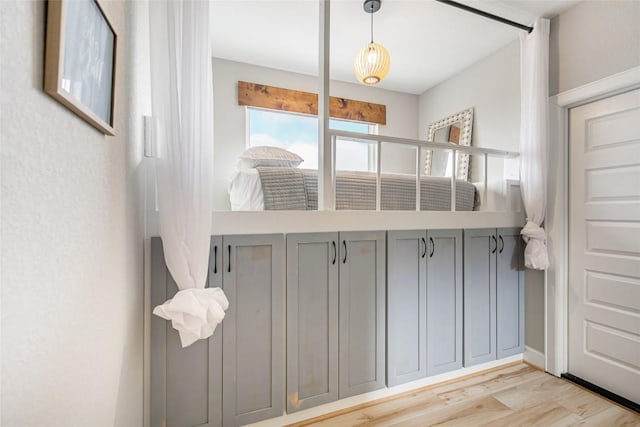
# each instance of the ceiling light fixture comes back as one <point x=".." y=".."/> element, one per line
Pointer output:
<point x="372" y="63"/>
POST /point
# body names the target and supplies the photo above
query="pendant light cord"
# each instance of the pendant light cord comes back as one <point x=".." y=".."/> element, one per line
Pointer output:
<point x="371" y="26"/>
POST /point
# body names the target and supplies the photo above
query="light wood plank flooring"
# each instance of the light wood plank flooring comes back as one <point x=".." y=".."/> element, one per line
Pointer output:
<point x="515" y="395"/>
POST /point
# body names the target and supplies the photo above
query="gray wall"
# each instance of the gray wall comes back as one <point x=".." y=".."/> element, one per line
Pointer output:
<point x="492" y="87"/>
<point x="230" y="118"/>
<point x="72" y="264"/>
<point x="592" y="40"/>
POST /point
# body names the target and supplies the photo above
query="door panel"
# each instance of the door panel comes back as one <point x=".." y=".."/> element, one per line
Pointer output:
<point x="444" y="301"/>
<point x="186" y="383"/>
<point x="362" y="312"/>
<point x="604" y="243"/>
<point x="312" y="320"/>
<point x="253" y="328"/>
<point x="406" y="306"/>
<point x="480" y="248"/>
<point x="510" y="293"/>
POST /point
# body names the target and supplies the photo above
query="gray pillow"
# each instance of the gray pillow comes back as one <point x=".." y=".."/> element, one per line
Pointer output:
<point x="269" y="157"/>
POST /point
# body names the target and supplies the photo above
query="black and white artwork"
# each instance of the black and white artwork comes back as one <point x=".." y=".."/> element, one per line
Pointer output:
<point x="80" y="60"/>
<point x="88" y="57"/>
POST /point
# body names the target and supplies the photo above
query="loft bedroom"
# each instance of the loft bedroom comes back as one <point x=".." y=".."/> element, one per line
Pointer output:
<point x="412" y="95"/>
<point x="283" y="61"/>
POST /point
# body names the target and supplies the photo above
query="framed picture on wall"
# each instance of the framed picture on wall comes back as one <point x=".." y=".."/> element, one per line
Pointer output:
<point x="80" y="60"/>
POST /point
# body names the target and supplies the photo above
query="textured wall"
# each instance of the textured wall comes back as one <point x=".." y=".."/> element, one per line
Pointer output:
<point x="492" y="87"/>
<point x="593" y="40"/>
<point x="230" y="118"/>
<point x="71" y="241"/>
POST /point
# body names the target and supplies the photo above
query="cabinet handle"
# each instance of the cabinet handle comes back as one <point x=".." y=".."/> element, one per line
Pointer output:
<point x="501" y="244"/>
<point x="424" y="242"/>
<point x="496" y="244"/>
<point x="335" y="253"/>
<point x="229" y="265"/>
<point x="215" y="259"/>
<point x="433" y="247"/>
<point x="344" y="243"/>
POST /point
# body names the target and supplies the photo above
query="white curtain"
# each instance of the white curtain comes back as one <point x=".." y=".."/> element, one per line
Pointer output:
<point x="181" y="93"/>
<point x="534" y="92"/>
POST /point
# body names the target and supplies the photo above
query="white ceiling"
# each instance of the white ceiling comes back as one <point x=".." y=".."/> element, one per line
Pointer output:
<point x="428" y="41"/>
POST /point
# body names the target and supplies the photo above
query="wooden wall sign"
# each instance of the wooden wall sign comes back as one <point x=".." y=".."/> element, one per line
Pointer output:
<point x="295" y="101"/>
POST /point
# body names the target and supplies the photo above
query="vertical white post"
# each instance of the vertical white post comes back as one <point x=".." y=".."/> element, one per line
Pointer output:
<point x="485" y="192"/>
<point x="453" y="180"/>
<point x="418" y="204"/>
<point x="325" y="187"/>
<point x="378" y="175"/>
<point x="334" y="180"/>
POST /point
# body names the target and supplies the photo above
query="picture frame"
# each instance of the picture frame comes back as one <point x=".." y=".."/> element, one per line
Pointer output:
<point x="80" y="60"/>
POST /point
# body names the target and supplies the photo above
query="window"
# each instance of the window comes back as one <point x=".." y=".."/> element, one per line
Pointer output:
<point x="299" y="133"/>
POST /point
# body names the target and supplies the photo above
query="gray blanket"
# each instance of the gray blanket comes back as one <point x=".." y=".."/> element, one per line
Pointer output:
<point x="297" y="189"/>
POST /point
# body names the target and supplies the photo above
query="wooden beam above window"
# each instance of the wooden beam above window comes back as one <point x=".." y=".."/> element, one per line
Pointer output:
<point x="295" y="101"/>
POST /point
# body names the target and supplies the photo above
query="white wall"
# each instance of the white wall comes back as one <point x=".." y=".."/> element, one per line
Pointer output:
<point x="492" y="87"/>
<point x="72" y="240"/>
<point x="593" y="40"/>
<point x="230" y="118"/>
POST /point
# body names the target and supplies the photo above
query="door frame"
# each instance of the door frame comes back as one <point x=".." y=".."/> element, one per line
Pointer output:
<point x="556" y="290"/>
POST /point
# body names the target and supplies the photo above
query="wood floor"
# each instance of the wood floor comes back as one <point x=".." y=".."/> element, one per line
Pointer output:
<point x="516" y="395"/>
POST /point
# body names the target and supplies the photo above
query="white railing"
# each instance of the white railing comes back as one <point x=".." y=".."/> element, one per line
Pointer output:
<point x="419" y="145"/>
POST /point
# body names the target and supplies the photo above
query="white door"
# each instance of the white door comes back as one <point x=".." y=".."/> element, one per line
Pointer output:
<point x="604" y="243"/>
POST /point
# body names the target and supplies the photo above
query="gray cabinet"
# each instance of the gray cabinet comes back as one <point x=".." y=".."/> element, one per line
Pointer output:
<point x="186" y="386"/>
<point x="510" y="292"/>
<point x="444" y="301"/>
<point x="479" y="296"/>
<point x="362" y="312"/>
<point x="312" y="320"/>
<point x="493" y="294"/>
<point x="406" y="306"/>
<point x="424" y="304"/>
<point x="253" y="328"/>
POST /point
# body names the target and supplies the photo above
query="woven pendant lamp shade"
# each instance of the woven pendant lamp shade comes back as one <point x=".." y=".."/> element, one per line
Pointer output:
<point x="372" y="64"/>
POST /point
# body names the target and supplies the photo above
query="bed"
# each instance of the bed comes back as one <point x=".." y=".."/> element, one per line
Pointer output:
<point x="290" y="188"/>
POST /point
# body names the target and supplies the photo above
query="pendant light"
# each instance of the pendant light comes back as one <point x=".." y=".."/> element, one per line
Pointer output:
<point x="372" y="63"/>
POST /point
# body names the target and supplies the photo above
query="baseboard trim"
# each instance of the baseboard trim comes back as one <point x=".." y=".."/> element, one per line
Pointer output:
<point x="350" y="402"/>
<point x="623" y="401"/>
<point x="533" y="357"/>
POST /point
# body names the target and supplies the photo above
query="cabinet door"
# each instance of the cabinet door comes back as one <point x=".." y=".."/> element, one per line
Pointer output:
<point x="312" y="320"/>
<point x="510" y="292"/>
<point x="444" y="301"/>
<point x="479" y="296"/>
<point x="406" y="306"/>
<point x="186" y="383"/>
<point x="362" y="312"/>
<point x="253" y="329"/>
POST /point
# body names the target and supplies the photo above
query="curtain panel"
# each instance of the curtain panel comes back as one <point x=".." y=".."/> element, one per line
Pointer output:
<point x="182" y="105"/>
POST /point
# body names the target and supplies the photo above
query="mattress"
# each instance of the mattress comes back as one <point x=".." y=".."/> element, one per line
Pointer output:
<point x="274" y="188"/>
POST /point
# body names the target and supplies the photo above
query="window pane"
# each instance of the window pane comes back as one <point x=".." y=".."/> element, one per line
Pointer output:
<point x="299" y="134"/>
<point x="349" y="126"/>
<point x="294" y="132"/>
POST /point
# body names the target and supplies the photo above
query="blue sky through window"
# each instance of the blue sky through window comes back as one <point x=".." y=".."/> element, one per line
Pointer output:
<point x="299" y="133"/>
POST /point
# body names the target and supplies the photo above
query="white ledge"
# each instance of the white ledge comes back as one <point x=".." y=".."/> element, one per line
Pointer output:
<point x="319" y="221"/>
<point x="267" y="222"/>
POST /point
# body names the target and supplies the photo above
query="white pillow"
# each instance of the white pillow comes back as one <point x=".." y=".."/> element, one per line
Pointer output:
<point x="268" y="156"/>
